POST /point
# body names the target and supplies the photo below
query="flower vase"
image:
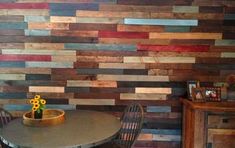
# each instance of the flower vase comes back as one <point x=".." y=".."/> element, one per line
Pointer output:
<point x="38" y="115"/>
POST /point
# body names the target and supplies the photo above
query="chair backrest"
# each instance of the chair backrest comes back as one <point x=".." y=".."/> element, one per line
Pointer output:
<point x="132" y="121"/>
<point x="5" y="117"/>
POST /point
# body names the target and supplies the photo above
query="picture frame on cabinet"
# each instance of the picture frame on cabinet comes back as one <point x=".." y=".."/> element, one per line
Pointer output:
<point x="190" y="85"/>
<point x="198" y="94"/>
<point x="213" y="94"/>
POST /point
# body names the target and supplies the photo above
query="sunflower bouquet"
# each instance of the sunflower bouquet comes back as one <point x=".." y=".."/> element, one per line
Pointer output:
<point x="38" y="103"/>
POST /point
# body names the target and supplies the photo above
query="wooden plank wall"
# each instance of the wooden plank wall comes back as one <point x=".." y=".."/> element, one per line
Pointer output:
<point x="105" y="54"/>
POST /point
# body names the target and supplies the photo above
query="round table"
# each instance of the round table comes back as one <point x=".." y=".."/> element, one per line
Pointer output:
<point x="81" y="128"/>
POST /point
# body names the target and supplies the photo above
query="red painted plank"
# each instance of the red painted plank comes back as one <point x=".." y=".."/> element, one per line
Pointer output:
<point x="24" y="6"/>
<point x="134" y="35"/>
<point x="180" y="48"/>
<point x="25" y="58"/>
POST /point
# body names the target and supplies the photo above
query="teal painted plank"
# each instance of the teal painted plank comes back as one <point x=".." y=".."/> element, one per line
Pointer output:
<point x="84" y="46"/>
<point x="20" y="95"/>
<point x="12" y="107"/>
<point x="36" y="18"/>
<point x="168" y="22"/>
<point x="185" y="9"/>
<point x="37" y="32"/>
<point x="224" y="42"/>
<point x="50" y="64"/>
<point x="159" y="109"/>
<point x="162" y="131"/>
<point x="10" y="64"/>
<point x="229" y="16"/>
<point x="66" y="12"/>
<point x="177" y="29"/>
<point x="13" y="25"/>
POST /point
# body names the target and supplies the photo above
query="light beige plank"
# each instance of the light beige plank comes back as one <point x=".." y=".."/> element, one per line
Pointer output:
<point x="48" y="46"/>
<point x="39" y="52"/>
<point x="12" y="76"/>
<point x="46" y="89"/>
<point x="132" y="96"/>
<point x="159" y="60"/>
<point x="64" y="58"/>
<point x="228" y="54"/>
<point x="153" y="90"/>
<point x="63" y="19"/>
<point x="92" y="101"/>
<point x="143" y="78"/>
<point x="25" y="71"/>
<point x="32" y="12"/>
<point x="121" y="66"/>
<point x="153" y="35"/>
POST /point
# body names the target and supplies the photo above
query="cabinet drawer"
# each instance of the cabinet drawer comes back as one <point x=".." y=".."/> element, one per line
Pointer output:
<point x="221" y="121"/>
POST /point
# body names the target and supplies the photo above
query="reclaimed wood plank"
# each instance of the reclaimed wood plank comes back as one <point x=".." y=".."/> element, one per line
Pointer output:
<point x="9" y="32"/>
<point x="25" y="58"/>
<point x="74" y="6"/>
<point x="62" y="19"/>
<point x="48" y="46"/>
<point x="29" y="18"/>
<point x="63" y="58"/>
<point x="11" y="64"/>
<point x="13" y="18"/>
<point x="139" y="28"/>
<point x="13" y="25"/>
<point x="142" y="96"/>
<point x="153" y="90"/>
<point x="112" y="14"/>
<point x="49" y="64"/>
<point x="132" y="78"/>
<point x="25" y="70"/>
<point x="86" y="83"/>
<point x="24" y="6"/>
<point x="121" y="66"/>
<point x="185" y="9"/>
<point x="74" y="33"/>
<point x="48" y="26"/>
<point x="35" y="32"/>
<point x="153" y="35"/>
<point x="32" y="12"/>
<point x="90" y="27"/>
<point x="12" y="76"/>
<point x="11" y="46"/>
<point x="108" y="34"/>
<point x="104" y="20"/>
<point x="98" y="59"/>
<point x="159" y="60"/>
<point x="92" y="101"/>
<point x="169" y="22"/>
<point x="52" y="89"/>
<point x="181" y="48"/>
<point x="136" y="8"/>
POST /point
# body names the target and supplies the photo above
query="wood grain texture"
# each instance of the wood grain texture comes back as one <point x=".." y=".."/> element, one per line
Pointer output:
<point x="185" y="35"/>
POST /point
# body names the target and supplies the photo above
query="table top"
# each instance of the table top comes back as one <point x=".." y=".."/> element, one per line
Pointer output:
<point x="81" y="128"/>
<point x="210" y="106"/>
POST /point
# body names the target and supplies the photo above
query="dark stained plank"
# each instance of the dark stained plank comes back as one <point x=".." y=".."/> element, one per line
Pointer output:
<point x="86" y="26"/>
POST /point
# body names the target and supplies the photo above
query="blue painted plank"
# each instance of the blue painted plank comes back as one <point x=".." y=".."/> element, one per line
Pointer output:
<point x="12" y="64"/>
<point x="37" y="32"/>
<point x="13" y="95"/>
<point x="162" y="131"/>
<point x="12" y="107"/>
<point x="75" y="6"/>
<point x="159" y="109"/>
<point x="55" y="12"/>
<point x="38" y="77"/>
<point x="224" y="42"/>
<point x="229" y="16"/>
<point x="168" y="22"/>
<point x="36" y="18"/>
<point x="177" y="29"/>
<point x="84" y="46"/>
<point x="13" y="25"/>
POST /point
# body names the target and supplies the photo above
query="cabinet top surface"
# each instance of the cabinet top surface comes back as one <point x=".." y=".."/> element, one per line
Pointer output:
<point x="210" y="106"/>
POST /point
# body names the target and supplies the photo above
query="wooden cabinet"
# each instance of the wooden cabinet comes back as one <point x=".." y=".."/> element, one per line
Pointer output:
<point x="208" y="124"/>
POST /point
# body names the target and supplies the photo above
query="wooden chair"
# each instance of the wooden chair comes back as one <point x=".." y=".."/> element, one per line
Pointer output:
<point x="5" y="118"/>
<point x="131" y="120"/>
